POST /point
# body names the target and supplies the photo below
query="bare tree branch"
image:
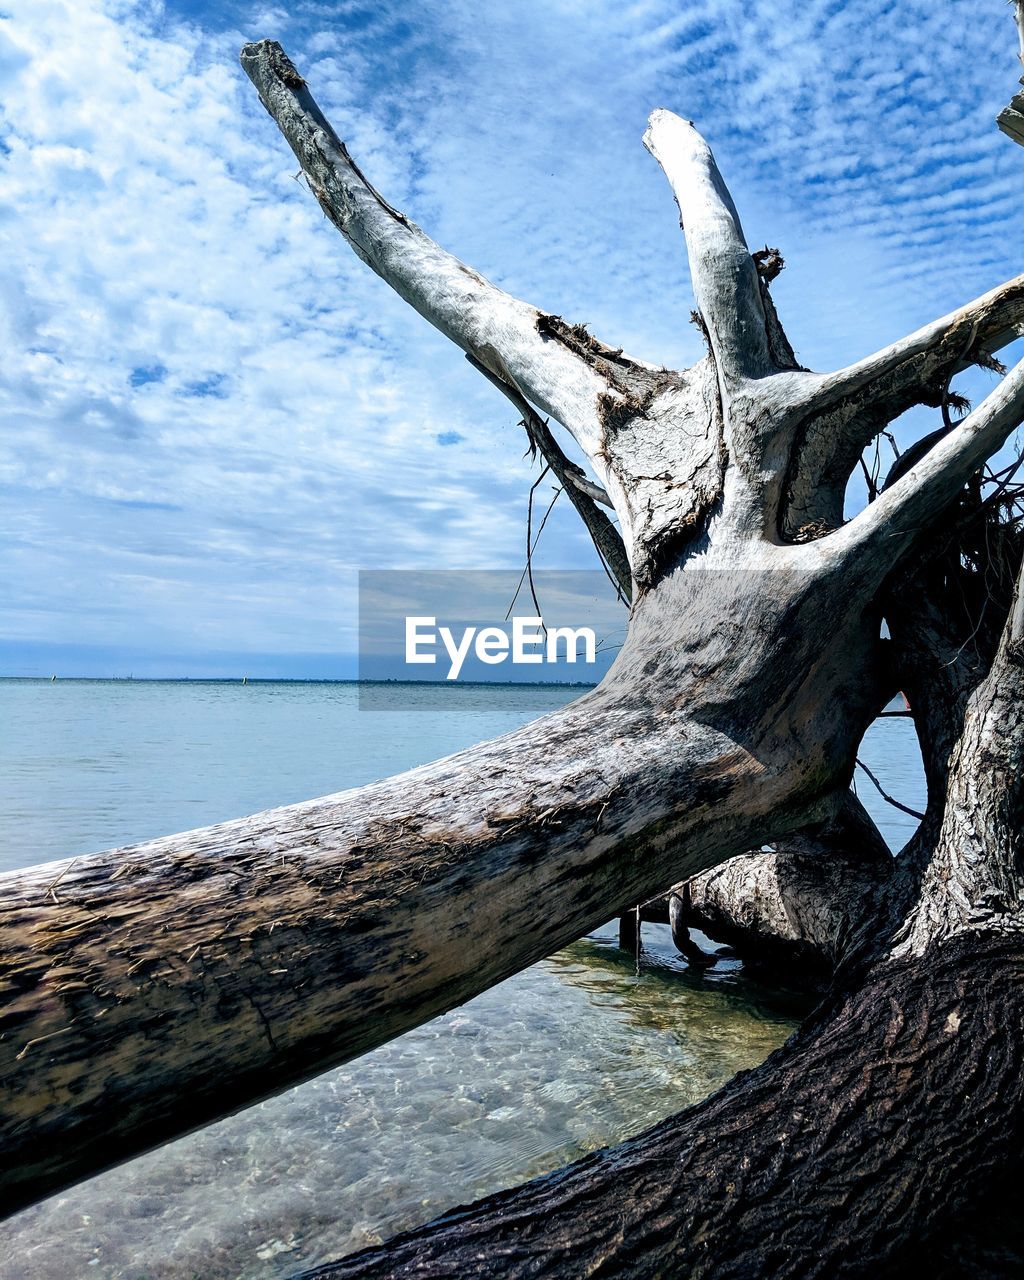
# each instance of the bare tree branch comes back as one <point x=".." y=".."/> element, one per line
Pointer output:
<point x="902" y="509"/>
<point x="896" y="804"/>
<point x="592" y="489"/>
<point x="842" y="412"/>
<point x="474" y="313"/>
<point x="1011" y="118"/>
<point x="924" y="359"/>
<point x="725" y="279"/>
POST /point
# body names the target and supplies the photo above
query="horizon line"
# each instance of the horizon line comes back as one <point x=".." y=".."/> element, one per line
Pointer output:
<point x="56" y="678"/>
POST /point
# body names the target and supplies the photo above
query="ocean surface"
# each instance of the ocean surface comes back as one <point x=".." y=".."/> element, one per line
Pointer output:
<point x="581" y="1050"/>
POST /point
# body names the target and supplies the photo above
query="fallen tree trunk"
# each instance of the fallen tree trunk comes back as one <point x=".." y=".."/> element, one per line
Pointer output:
<point x="787" y="912"/>
<point x="793" y="909"/>
<point x="875" y="1138"/>
<point x="151" y="989"/>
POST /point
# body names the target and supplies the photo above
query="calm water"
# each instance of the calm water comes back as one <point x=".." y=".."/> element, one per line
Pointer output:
<point x="577" y="1052"/>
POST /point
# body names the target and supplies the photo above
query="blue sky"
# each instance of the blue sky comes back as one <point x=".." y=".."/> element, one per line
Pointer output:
<point x="214" y="415"/>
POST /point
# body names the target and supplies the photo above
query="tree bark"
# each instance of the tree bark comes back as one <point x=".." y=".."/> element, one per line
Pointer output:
<point x="868" y="1144"/>
<point x="789" y="911"/>
<point x="149" y="990"/>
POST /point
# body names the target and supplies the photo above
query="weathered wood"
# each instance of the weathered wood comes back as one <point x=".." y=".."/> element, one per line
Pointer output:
<point x="1011" y="118"/>
<point x="811" y="899"/>
<point x="870" y="1141"/>
<point x="148" y="990"/>
<point x="151" y="989"/>
<point x="474" y="313"/>
<point x="896" y="1115"/>
<point x="725" y="279"/>
<point x="795" y="908"/>
<point x="845" y="410"/>
<point x="971" y="881"/>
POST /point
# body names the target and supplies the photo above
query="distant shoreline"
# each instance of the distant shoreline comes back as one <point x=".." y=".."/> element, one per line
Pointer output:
<point x="251" y="680"/>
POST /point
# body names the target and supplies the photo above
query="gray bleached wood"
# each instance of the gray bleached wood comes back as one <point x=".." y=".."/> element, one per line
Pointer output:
<point x="796" y="907"/>
<point x="840" y="413"/>
<point x="880" y="1140"/>
<point x="904" y="508"/>
<point x="468" y="309"/>
<point x="1011" y="118"/>
<point x="149" y="990"/>
<point x="725" y="280"/>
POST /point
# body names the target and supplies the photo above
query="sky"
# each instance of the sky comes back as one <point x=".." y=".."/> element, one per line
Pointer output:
<point x="214" y="415"/>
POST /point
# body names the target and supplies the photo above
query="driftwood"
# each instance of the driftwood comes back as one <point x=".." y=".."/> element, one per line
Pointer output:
<point x="1011" y="118"/>
<point x="151" y="989"/>
<point x="792" y="909"/>
<point x="880" y="1140"/>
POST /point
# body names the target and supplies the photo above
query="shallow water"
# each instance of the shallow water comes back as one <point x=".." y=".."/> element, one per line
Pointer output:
<point x="577" y="1052"/>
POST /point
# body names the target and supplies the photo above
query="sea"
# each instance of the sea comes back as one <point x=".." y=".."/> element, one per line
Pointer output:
<point x="582" y="1050"/>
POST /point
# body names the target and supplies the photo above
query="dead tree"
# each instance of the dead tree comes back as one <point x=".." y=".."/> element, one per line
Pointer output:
<point x="884" y="1135"/>
<point x="1011" y="118"/>
<point x="149" y="990"/>
<point x="792" y="909"/>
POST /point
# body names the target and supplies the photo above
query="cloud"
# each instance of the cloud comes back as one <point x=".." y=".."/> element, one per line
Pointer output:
<point x="216" y="415"/>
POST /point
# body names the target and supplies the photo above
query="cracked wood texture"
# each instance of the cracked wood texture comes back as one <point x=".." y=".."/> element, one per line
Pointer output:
<point x="146" y="991"/>
<point x="150" y="989"/>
